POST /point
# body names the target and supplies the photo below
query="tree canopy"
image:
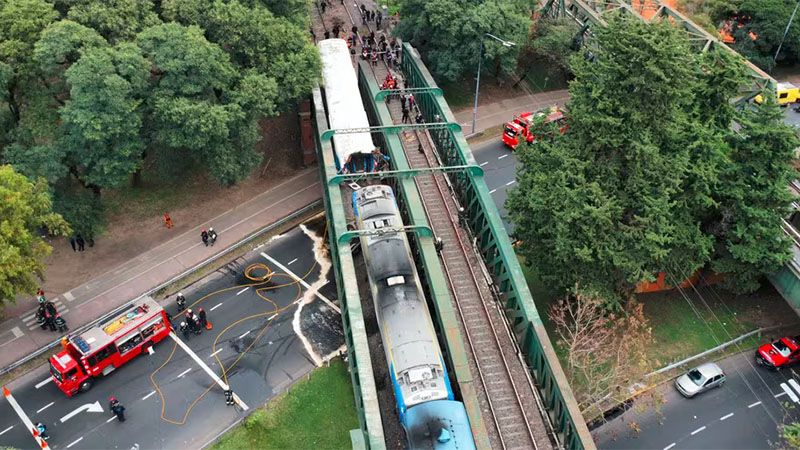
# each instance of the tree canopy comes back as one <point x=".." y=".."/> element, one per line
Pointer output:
<point x="25" y="210"/>
<point x="95" y="92"/>
<point x="449" y="33"/>
<point x="648" y="169"/>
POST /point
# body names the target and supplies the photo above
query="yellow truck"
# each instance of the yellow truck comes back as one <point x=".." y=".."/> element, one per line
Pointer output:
<point x="786" y="93"/>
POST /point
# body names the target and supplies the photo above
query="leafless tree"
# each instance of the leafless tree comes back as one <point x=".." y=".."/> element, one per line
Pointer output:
<point x="605" y="352"/>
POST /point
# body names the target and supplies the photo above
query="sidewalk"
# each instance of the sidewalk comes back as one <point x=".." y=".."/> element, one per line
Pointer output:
<point x="20" y="335"/>
<point x="498" y="113"/>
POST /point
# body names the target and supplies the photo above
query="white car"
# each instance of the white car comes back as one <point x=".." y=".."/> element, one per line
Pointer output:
<point x="700" y="379"/>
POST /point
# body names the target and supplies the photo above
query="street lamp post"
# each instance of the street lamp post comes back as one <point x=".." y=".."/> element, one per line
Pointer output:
<point x="478" y="79"/>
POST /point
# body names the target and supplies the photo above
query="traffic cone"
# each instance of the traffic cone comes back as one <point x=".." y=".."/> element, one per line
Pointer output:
<point x="6" y="392"/>
<point x="208" y="325"/>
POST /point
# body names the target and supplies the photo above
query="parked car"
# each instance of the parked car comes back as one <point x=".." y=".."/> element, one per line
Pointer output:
<point x="700" y="379"/>
<point x="779" y="354"/>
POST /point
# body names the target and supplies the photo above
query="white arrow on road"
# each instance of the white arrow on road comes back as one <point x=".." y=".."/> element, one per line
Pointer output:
<point x="89" y="407"/>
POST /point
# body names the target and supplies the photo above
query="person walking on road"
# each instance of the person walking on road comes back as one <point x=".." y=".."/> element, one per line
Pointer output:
<point x="204" y="236"/>
<point x="212" y="236"/>
<point x="184" y="328"/>
<point x="81" y="243"/>
<point x="60" y="323"/>
<point x="116" y="407"/>
<point x="72" y="243"/>
<point x="167" y="221"/>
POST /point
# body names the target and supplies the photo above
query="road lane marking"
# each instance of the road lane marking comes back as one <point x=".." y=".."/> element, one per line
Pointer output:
<point x="184" y="372"/>
<point x="272" y="316"/>
<point x="492" y="191"/>
<point x="754" y="404"/>
<point x="112" y="418"/>
<point x="207" y="369"/>
<point x="698" y="430"/>
<point x="243" y="290"/>
<point x="17" y="332"/>
<point x="68" y="295"/>
<point x="788" y="391"/>
<point x="484" y="163"/>
<point x="302" y="282"/>
<point x="45" y="407"/>
<point x="780" y="394"/>
<point x="793" y="383"/>
<point x="6" y="430"/>
<point x="245" y="334"/>
<point x="669" y="446"/>
<point x="43" y="382"/>
<point x="291" y="262"/>
<point x="149" y="395"/>
<point x="22" y="416"/>
<point x="215" y="353"/>
<point x="215" y="307"/>
<point x="511" y="182"/>
<point x="75" y="442"/>
<point x="501" y="157"/>
<point x="727" y="416"/>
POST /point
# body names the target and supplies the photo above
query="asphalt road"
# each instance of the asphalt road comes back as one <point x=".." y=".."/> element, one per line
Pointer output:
<point x="743" y="414"/>
<point x="500" y="166"/>
<point x="171" y="402"/>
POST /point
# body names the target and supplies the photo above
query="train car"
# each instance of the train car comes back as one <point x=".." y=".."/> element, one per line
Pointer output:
<point x="428" y="413"/>
<point x="345" y="110"/>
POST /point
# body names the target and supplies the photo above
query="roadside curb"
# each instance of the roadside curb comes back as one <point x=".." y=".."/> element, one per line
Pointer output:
<point x="304" y="212"/>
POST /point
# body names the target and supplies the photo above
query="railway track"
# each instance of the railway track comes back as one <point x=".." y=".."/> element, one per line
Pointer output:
<point x="510" y="404"/>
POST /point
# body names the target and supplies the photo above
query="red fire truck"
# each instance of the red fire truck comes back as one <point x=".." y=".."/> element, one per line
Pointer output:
<point x="520" y="127"/>
<point x="107" y="346"/>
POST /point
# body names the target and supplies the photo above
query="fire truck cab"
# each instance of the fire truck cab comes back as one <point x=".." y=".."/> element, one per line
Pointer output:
<point x="107" y="346"/>
<point x="520" y="128"/>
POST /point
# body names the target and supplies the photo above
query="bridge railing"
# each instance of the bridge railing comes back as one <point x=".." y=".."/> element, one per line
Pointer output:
<point x="493" y="243"/>
<point x="371" y="433"/>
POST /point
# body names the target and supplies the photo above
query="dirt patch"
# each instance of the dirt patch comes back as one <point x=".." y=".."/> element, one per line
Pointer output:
<point x="135" y="217"/>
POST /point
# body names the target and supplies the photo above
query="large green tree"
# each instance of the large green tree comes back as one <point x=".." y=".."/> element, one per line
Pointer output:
<point x="767" y="20"/>
<point x="755" y="198"/>
<point x="25" y="209"/>
<point x="449" y="33"/>
<point x="605" y="204"/>
<point x="115" y="20"/>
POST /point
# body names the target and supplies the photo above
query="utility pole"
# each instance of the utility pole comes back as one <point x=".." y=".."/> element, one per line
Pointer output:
<point x="478" y="79"/>
<point x="786" y="31"/>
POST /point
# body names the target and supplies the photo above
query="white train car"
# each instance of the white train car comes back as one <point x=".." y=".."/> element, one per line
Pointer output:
<point x="345" y="109"/>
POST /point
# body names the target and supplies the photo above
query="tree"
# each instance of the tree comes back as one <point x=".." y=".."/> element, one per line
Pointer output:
<point x="604" y="205"/>
<point x="605" y="352"/>
<point x="25" y="209"/>
<point x="790" y="434"/>
<point x="449" y="33"/>
<point x="102" y="119"/>
<point x="755" y="199"/>
<point x="766" y="20"/>
<point x="554" y="41"/>
<point x="115" y="20"/>
<point x="274" y="47"/>
<point x="192" y="107"/>
<point x="21" y="23"/>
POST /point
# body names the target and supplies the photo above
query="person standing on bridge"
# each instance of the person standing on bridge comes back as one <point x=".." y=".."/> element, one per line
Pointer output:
<point x="406" y="118"/>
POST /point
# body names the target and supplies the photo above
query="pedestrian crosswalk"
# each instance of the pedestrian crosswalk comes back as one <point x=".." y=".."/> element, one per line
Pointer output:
<point x="32" y="324"/>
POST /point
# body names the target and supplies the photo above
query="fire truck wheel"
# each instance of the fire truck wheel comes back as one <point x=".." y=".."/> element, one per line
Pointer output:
<point x="86" y="385"/>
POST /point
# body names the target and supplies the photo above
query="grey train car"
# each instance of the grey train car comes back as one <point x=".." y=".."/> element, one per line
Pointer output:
<point x="430" y="416"/>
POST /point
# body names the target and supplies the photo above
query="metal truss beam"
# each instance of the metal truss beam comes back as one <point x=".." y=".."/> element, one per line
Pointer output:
<point x="347" y="236"/>
<point x="382" y="94"/>
<point x="394" y="129"/>
<point x="471" y="169"/>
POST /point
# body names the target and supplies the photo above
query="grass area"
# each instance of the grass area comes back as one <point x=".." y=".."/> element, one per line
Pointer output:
<point x="316" y="413"/>
<point x="459" y="94"/>
<point x="540" y="78"/>
<point x="680" y="333"/>
<point x="153" y="197"/>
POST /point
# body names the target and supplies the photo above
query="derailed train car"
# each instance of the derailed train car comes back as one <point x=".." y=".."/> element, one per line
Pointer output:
<point x="430" y="416"/>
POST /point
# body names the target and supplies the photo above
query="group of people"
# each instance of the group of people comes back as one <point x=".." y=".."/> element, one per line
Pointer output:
<point x="78" y="243"/>
<point x="368" y="15"/>
<point x="209" y="237"/>
<point x="193" y="322"/>
<point x="383" y="49"/>
<point x="47" y="315"/>
<point x="408" y="105"/>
